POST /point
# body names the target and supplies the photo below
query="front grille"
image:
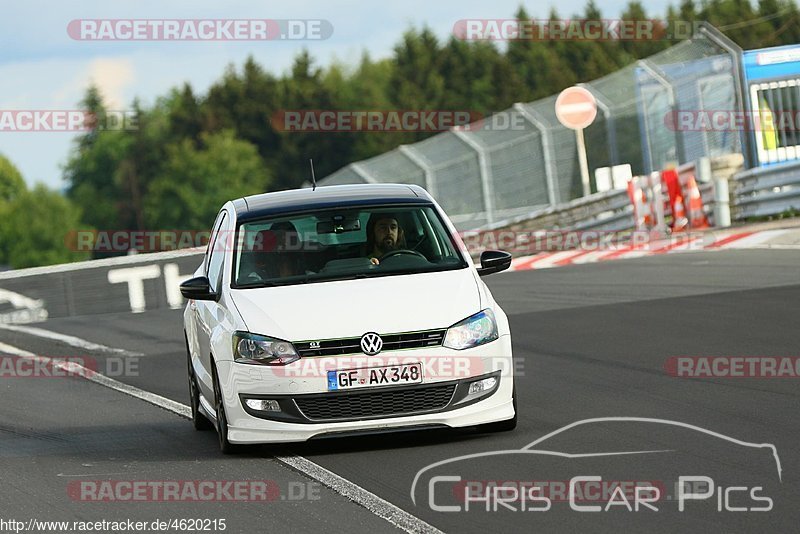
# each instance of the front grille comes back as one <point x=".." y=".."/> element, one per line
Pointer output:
<point x="352" y="345"/>
<point x="385" y="403"/>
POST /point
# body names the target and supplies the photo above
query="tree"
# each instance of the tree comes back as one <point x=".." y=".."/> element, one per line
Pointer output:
<point x="477" y="77"/>
<point x="36" y="229"/>
<point x="195" y="183"/>
<point x="12" y="186"/>
<point x="91" y="184"/>
<point x="11" y="182"/>
<point x="417" y="82"/>
<point x="96" y="159"/>
<point x="641" y="48"/>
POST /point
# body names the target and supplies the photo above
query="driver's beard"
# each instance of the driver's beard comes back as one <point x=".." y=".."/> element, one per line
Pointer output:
<point x="387" y="245"/>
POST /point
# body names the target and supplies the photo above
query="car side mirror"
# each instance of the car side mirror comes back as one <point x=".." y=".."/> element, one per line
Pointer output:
<point x="494" y="261"/>
<point x="197" y="288"/>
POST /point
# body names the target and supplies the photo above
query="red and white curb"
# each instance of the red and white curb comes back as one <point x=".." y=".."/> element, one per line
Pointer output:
<point x="696" y="242"/>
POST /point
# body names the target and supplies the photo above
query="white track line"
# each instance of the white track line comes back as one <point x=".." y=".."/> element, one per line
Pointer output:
<point x="753" y="239"/>
<point x="592" y="257"/>
<point x="69" y="340"/>
<point x="378" y="506"/>
<point x="550" y="262"/>
<point x="16" y="352"/>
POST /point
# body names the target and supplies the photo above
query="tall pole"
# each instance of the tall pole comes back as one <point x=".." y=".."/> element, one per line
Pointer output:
<point x="587" y="190"/>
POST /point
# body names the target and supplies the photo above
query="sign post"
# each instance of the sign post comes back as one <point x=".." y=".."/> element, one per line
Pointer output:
<point x="576" y="108"/>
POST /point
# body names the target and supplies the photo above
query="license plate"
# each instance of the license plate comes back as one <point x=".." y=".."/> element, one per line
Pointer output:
<point x="407" y="373"/>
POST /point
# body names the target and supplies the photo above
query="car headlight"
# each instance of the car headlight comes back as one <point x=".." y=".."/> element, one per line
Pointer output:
<point x="263" y="350"/>
<point x="473" y="331"/>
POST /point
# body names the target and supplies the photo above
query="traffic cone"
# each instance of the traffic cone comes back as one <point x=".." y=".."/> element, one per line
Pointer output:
<point x="679" y="220"/>
<point x="696" y="214"/>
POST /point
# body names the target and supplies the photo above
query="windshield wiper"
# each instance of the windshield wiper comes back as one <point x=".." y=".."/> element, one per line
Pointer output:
<point x="255" y="285"/>
<point x="333" y="278"/>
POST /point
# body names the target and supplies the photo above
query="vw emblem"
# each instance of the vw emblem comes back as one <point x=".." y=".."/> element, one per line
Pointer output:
<point x="371" y="343"/>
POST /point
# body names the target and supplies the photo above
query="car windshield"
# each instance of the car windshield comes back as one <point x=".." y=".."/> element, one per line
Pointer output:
<point x="343" y="244"/>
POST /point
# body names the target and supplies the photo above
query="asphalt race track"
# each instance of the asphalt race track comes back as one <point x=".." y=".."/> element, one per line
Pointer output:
<point x="591" y="341"/>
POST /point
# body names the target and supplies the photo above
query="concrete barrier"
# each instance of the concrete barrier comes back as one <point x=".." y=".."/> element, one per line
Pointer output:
<point x="126" y="284"/>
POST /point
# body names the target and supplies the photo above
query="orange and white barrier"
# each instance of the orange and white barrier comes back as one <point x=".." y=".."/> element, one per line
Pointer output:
<point x="648" y="205"/>
<point x="683" y="201"/>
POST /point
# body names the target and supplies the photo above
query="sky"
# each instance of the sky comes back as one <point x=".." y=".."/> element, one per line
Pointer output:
<point x="43" y="68"/>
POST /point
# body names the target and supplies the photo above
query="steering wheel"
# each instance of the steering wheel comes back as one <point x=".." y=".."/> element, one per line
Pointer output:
<point x="401" y="251"/>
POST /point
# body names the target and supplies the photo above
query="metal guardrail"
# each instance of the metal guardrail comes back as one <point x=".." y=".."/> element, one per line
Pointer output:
<point x="766" y="191"/>
<point x="607" y="211"/>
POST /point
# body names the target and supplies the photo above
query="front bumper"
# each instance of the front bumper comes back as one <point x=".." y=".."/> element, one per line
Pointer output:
<point x="304" y="382"/>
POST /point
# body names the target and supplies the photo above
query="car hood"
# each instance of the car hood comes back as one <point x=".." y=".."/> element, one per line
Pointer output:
<point x="350" y="308"/>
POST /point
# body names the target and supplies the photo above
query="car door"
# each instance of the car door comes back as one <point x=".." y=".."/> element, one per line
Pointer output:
<point x="207" y="311"/>
<point x="192" y="319"/>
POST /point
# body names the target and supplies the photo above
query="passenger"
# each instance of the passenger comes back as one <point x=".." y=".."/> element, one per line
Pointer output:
<point x="273" y="256"/>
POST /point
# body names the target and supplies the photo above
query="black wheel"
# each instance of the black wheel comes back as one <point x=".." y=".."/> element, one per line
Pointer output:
<point x="199" y="421"/>
<point x="503" y="426"/>
<point x="222" y="422"/>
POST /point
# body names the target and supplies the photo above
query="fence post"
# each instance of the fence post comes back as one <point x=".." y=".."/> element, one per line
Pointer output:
<point x="664" y="82"/>
<point x="613" y="154"/>
<point x="359" y="170"/>
<point x="430" y="179"/>
<point x="735" y="51"/>
<point x="487" y="185"/>
<point x="553" y="195"/>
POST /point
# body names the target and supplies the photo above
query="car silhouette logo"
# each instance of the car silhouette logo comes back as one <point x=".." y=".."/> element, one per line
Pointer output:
<point x="371" y="343"/>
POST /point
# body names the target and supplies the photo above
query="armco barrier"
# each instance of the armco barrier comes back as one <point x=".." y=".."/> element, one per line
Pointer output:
<point x="609" y="211"/>
<point x="766" y="191"/>
<point x="125" y="284"/>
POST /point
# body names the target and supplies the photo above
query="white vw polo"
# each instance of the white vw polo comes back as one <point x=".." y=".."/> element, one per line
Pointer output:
<point x="343" y="310"/>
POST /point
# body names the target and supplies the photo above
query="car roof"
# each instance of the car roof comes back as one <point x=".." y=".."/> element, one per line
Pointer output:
<point x="333" y="196"/>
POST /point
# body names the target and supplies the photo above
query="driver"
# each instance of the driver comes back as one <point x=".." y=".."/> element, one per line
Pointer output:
<point x="384" y="234"/>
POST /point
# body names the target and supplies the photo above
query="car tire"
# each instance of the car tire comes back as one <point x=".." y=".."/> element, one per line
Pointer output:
<point x="222" y="421"/>
<point x="503" y="426"/>
<point x="199" y="421"/>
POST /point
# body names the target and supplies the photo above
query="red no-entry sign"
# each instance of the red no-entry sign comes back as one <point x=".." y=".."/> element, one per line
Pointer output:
<point x="576" y="108"/>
